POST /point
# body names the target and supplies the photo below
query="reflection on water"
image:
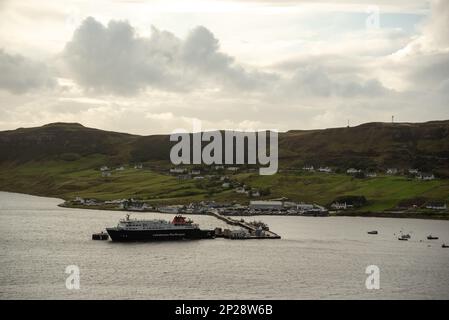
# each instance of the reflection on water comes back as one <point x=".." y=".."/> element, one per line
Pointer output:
<point x="323" y="258"/>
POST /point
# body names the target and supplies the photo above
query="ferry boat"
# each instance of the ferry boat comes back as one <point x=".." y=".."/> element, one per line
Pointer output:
<point x="157" y="230"/>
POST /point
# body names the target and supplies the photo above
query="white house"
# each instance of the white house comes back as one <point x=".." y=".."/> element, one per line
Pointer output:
<point x="195" y="172"/>
<point x="371" y="174"/>
<point x="436" y="206"/>
<point x="120" y="168"/>
<point x="353" y="171"/>
<point x="339" y="206"/>
<point x="240" y="190"/>
<point x="105" y="174"/>
<point x="425" y="176"/>
<point x="308" y="168"/>
<point x="104" y="168"/>
<point x="325" y="169"/>
<point x="138" y="166"/>
<point x="413" y="171"/>
<point x="255" y="193"/>
<point x="219" y="167"/>
<point x="177" y="170"/>
<point x="79" y="200"/>
<point x="232" y="169"/>
<point x="226" y="185"/>
<point x="392" y="171"/>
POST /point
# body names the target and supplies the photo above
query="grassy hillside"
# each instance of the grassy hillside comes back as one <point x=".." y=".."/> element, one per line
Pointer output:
<point x="373" y="145"/>
<point x="63" y="160"/>
<point x="70" y="179"/>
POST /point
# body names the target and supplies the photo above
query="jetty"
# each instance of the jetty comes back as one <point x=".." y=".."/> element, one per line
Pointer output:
<point x="253" y="231"/>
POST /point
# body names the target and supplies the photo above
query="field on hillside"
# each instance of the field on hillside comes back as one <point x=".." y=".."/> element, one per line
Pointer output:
<point x="68" y="179"/>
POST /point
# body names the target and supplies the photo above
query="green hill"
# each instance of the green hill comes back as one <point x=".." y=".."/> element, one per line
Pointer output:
<point x="63" y="159"/>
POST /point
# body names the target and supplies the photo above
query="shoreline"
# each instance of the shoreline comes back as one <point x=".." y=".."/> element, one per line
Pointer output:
<point x="363" y="214"/>
<point x="360" y="214"/>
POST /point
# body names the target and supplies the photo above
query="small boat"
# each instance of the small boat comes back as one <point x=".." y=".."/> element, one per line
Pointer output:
<point x="403" y="238"/>
<point x="373" y="232"/>
<point x="444" y="246"/>
<point x="100" y="236"/>
<point x="430" y="237"/>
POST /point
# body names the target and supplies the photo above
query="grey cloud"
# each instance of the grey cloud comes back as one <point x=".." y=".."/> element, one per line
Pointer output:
<point x="319" y="81"/>
<point x="19" y="74"/>
<point x="115" y="59"/>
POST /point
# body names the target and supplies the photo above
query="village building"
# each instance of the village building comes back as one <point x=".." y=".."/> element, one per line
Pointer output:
<point x="392" y="171"/>
<point x="240" y="190"/>
<point x="339" y="206"/>
<point x="302" y="207"/>
<point x="255" y="193"/>
<point x="425" y="176"/>
<point x="266" y="205"/>
<point x="177" y="170"/>
<point x="436" y="206"/>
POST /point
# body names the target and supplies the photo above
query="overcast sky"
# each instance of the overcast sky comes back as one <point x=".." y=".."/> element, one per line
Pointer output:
<point x="153" y="66"/>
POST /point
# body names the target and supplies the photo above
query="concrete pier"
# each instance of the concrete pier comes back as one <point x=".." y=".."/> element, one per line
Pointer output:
<point x="245" y="225"/>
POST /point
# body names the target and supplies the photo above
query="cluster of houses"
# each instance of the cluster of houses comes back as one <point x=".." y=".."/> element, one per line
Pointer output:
<point x="393" y="171"/>
<point x="107" y="172"/>
<point x="225" y="181"/>
<point x="196" y="174"/>
<point x="371" y="174"/>
<point x="320" y="169"/>
<point x="279" y="206"/>
<point x="255" y="207"/>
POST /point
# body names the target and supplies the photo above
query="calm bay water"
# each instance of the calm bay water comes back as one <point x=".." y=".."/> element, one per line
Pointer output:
<point x="317" y="258"/>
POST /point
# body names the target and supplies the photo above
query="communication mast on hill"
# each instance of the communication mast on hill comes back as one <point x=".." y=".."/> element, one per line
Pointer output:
<point x="348" y="124"/>
<point x="392" y="119"/>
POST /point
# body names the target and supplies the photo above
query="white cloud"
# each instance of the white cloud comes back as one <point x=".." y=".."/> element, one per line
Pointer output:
<point x="295" y="73"/>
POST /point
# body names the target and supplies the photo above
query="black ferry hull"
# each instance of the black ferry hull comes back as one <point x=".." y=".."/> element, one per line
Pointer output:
<point x="158" y="235"/>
